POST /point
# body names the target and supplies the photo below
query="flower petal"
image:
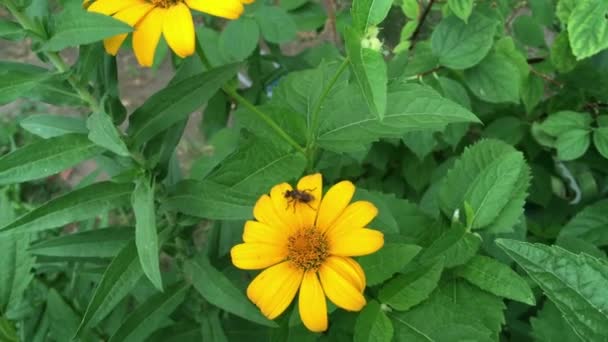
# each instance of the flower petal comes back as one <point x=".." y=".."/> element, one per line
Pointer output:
<point x="334" y="202"/>
<point x="131" y="15"/>
<point x="357" y="242"/>
<point x="146" y="36"/>
<point x="307" y="212"/>
<point x="229" y="9"/>
<point x="355" y="216"/>
<point x="312" y="304"/>
<point x="109" y="7"/>
<point x="337" y="282"/>
<point x="257" y="232"/>
<point x="178" y="29"/>
<point x="265" y="212"/>
<point x="274" y="289"/>
<point x="283" y="207"/>
<point x="352" y="269"/>
<point x="255" y="256"/>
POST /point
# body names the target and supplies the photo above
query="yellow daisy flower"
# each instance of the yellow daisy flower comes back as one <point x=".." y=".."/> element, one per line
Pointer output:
<point x="305" y="241"/>
<point x="171" y="18"/>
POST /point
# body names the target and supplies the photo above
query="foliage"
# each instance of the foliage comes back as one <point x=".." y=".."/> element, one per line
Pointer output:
<point x="479" y="129"/>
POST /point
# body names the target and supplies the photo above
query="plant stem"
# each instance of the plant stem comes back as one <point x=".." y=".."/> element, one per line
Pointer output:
<point x="426" y="12"/>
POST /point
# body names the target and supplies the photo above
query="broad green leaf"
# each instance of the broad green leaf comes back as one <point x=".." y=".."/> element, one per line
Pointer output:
<point x="462" y="45"/>
<point x="572" y="144"/>
<point x="77" y="205"/>
<point x="7" y="331"/>
<point x="412" y="288"/>
<point x="223" y="144"/>
<point x="528" y="31"/>
<point x="146" y="238"/>
<point x="600" y="140"/>
<point x="45" y="158"/>
<point x="16" y="83"/>
<point x="497" y="278"/>
<point x="63" y="320"/>
<point x="210" y="200"/>
<point x="147" y="317"/>
<point x="576" y="283"/>
<point x="564" y="9"/>
<point x="550" y="326"/>
<point x="373" y="325"/>
<point x="455" y="311"/>
<point x="98" y="243"/>
<point x="387" y="261"/>
<point x="292" y="123"/>
<point x="455" y="245"/>
<point x="368" y="13"/>
<point x="240" y="38"/>
<point x="78" y="27"/>
<point x="461" y="8"/>
<point x="175" y="102"/>
<point x="50" y="126"/>
<point x="588" y="28"/>
<point x="495" y="79"/>
<point x="411" y="9"/>
<point x="103" y="133"/>
<point x="509" y="129"/>
<point x="565" y="121"/>
<point x="219" y="291"/>
<point x="590" y="224"/>
<point x="275" y="24"/>
<point x="561" y="53"/>
<point x="488" y="176"/>
<point x="532" y="92"/>
<point x="11" y="30"/>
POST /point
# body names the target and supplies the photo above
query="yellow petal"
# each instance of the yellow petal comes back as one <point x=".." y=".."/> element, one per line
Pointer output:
<point x="357" y="242"/>
<point x="109" y="7"/>
<point x="274" y="289"/>
<point x="339" y="287"/>
<point x="247" y="1"/>
<point x="334" y="202"/>
<point x="131" y="15"/>
<point x="353" y="270"/>
<point x="255" y="256"/>
<point x="283" y="207"/>
<point x="312" y="304"/>
<point x="146" y="36"/>
<point x="113" y="44"/>
<point x="262" y="233"/>
<point x="229" y="9"/>
<point x="264" y="211"/>
<point x="355" y="216"/>
<point x="178" y="29"/>
<point x="307" y="212"/>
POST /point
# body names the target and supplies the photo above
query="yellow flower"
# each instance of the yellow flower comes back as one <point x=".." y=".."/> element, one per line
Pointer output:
<point x="307" y="244"/>
<point x="171" y="18"/>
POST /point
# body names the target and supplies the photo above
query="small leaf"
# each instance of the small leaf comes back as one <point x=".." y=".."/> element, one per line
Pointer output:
<point x="600" y="140"/>
<point x="590" y="224"/>
<point x="410" y="289"/>
<point x="368" y="13"/>
<point x="103" y="133"/>
<point x="461" y="8"/>
<point x="572" y="144"/>
<point x="495" y="79"/>
<point x="588" y="28"/>
<point x="50" y="126"/>
<point x="373" y="325"/>
<point x="275" y="24"/>
<point x="387" y="261"/>
<point x="240" y="38"/>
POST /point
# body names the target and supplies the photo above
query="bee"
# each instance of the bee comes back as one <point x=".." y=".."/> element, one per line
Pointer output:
<point x="299" y="196"/>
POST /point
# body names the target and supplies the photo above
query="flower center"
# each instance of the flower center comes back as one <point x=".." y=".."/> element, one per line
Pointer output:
<point x="307" y="249"/>
<point x="164" y="3"/>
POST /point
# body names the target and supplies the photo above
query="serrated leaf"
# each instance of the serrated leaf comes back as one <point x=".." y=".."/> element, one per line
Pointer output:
<point x="50" y="126"/>
<point x="495" y="79"/>
<point x="373" y="325"/>
<point x="387" y="261"/>
<point x="588" y="28"/>
<point x="409" y="289"/>
<point x="99" y="243"/>
<point x="550" y="326"/>
<point x="44" y="158"/>
<point x="574" y="282"/>
<point x="590" y="224"/>
<point x="368" y="13"/>
<point x="146" y="238"/>
<point x="74" y="206"/>
<point x="219" y="291"/>
<point x="147" y="317"/>
<point x="103" y="133"/>
<point x="497" y="278"/>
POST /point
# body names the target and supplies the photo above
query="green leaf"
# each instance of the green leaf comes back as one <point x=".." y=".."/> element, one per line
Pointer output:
<point x="575" y="283"/>
<point x="565" y="121"/>
<point x="588" y="28"/>
<point x="50" y="126"/>
<point x="368" y="13"/>
<point x="219" y="291"/>
<point x="387" y="261"/>
<point x="103" y="133"/>
<point x="79" y="27"/>
<point x="63" y="320"/>
<point x="532" y="92"/>
<point x="17" y="264"/>
<point x="497" y="278"/>
<point x="589" y="224"/>
<point x="412" y="288"/>
<point x="550" y="326"/>
<point x="210" y="200"/>
<point x="17" y="83"/>
<point x="240" y="38"/>
<point x="564" y="9"/>
<point x="7" y="331"/>
<point x="10" y="30"/>
<point x="212" y="326"/>
<point x="373" y="325"/>
<point x="572" y="144"/>
<point x="44" y="158"/>
<point x="455" y="245"/>
<point x="494" y="80"/>
<point x="275" y="24"/>
<point x="488" y="176"/>
<point x="146" y="238"/>
<point x="99" y="243"/>
<point x="561" y="53"/>
<point x="370" y="72"/>
<point x="461" y="8"/>
<point x="150" y="314"/>
<point x="600" y="140"/>
<point x="77" y="205"/>
<point x="462" y="45"/>
<point x="528" y="31"/>
<point x="175" y="102"/>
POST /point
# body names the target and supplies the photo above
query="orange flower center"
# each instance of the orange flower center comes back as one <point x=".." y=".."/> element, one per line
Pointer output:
<point x="164" y="3"/>
<point x="307" y="249"/>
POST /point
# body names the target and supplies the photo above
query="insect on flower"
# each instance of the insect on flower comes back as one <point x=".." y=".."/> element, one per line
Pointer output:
<point x="301" y="196"/>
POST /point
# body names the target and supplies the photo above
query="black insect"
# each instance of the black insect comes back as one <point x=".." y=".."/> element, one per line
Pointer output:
<point x="301" y="196"/>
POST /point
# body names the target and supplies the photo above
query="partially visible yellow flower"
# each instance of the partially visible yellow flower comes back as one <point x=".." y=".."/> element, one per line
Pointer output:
<point x="308" y="245"/>
<point x="171" y="18"/>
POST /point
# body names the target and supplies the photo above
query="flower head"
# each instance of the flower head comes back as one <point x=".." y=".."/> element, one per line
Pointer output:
<point x="305" y="242"/>
<point x="170" y="18"/>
